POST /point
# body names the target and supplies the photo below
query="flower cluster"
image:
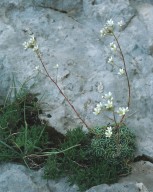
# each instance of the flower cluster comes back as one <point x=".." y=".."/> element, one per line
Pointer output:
<point x="108" y="105"/>
<point x="31" y="44"/>
<point x="110" y="60"/>
<point x="108" y="30"/>
<point x="108" y="132"/>
<point x="113" y="46"/>
<point x="121" y="71"/>
<point x="98" y="108"/>
<point x="109" y="27"/>
<point x="120" y="23"/>
<point x="121" y="111"/>
<point x="108" y="96"/>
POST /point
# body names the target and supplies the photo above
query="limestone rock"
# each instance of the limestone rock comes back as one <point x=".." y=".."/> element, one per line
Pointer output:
<point x="73" y="42"/>
<point x="125" y="187"/>
<point x="142" y="172"/>
<point x="60" y="5"/>
<point x="17" y="178"/>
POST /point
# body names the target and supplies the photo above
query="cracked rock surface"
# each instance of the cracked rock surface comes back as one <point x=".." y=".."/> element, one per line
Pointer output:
<point x="72" y="40"/>
<point x="142" y="172"/>
<point x="17" y="178"/>
<point x="68" y="34"/>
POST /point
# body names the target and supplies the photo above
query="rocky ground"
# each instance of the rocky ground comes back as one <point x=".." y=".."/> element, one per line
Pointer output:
<point x="68" y="34"/>
<point x="17" y="178"/>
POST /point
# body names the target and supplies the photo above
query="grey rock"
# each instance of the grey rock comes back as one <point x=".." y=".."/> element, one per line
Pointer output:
<point x="125" y="187"/>
<point x="61" y="186"/>
<point x="17" y="178"/>
<point x="142" y="172"/>
<point x="60" y="5"/>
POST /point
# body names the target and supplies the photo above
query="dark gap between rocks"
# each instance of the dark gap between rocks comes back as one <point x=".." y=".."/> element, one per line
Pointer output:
<point x="143" y="157"/>
<point x="55" y="9"/>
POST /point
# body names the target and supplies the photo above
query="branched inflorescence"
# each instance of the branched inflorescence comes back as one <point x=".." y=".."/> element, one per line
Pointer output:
<point x="108" y="99"/>
<point x="104" y="153"/>
<point x="32" y="44"/>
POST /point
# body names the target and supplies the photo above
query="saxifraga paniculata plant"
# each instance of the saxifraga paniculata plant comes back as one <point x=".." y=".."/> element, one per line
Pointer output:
<point x="104" y="153"/>
<point x="95" y="160"/>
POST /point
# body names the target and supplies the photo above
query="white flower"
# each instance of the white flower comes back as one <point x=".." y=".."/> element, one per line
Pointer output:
<point x="96" y="111"/>
<point x="110" y="60"/>
<point x="120" y="23"/>
<point x="32" y="39"/>
<point x="113" y="46"/>
<point x="103" y="32"/>
<point x="99" y="105"/>
<point x="110" y="23"/>
<point x="108" y="96"/>
<point x="56" y="66"/>
<point x="121" y="72"/>
<point x="98" y="108"/>
<point x="108" y="132"/>
<point x="109" y="104"/>
<point x="36" y="48"/>
<point x="37" y="68"/>
<point x="25" y="45"/>
<point x="121" y="111"/>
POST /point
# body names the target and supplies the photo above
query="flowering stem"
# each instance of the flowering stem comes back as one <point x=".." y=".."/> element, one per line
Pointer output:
<point x="114" y="117"/>
<point x="128" y="82"/>
<point x="127" y="77"/>
<point x="121" y="121"/>
<point x="38" y="54"/>
<point x="56" y="74"/>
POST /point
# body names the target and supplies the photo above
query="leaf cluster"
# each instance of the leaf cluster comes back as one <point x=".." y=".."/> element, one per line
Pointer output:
<point x="96" y="160"/>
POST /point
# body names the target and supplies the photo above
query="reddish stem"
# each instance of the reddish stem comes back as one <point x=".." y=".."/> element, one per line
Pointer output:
<point x="61" y="91"/>
<point x="127" y="77"/>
